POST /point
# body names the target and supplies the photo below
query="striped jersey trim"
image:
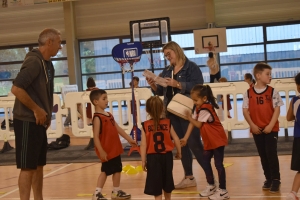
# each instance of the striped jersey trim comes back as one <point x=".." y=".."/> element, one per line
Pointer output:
<point x="24" y="144"/>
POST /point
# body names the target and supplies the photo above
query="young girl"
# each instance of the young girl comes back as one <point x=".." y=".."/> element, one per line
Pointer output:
<point x="213" y="136"/>
<point x="294" y="114"/>
<point x="157" y="144"/>
<point x="249" y="79"/>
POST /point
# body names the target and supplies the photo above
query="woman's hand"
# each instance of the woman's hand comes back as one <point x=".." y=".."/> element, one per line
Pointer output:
<point x="171" y="82"/>
<point x="150" y="81"/>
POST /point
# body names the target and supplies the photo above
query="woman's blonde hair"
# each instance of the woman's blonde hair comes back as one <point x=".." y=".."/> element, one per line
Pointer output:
<point x="177" y="49"/>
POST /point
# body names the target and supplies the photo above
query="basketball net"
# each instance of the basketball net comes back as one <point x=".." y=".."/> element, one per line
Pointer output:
<point x="156" y="62"/>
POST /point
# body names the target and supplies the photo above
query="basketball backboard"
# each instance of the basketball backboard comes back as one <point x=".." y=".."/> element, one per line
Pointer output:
<point x="210" y="40"/>
<point x="154" y="32"/>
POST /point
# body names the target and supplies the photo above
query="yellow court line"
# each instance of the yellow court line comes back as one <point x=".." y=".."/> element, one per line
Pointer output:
<point x="2" y="192"/>
<point x="227" y="164"/>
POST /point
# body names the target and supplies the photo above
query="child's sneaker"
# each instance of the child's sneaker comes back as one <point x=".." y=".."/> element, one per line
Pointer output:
<point x="120" y="195"/>
<point x="186" y="182"/>
<point x="220" y="194"/>
<point x="98" y="196"/>
<point x="210" y="190"/>
<point x="291" y="196"/>
<point x="267" y="185"/>
<point x="275" y="186"/>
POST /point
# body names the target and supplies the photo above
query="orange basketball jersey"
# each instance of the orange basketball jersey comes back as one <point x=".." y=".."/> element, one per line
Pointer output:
<point x="212" y="133"/>
<point x="109" y="137"/>
<point x="159" y="141"/>
<point x="261" y="107"/>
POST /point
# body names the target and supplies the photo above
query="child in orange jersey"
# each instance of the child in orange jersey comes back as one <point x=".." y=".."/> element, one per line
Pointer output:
<point x="249" y="79"/>
<point x="213" y="136"/>
<point x="157" y="145"/>
<point x="108" y="146"/>
<point x="261" y="109"/>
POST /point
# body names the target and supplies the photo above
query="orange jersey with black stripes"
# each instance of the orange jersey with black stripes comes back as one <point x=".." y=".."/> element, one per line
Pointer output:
<point x="159" y="141"/>
<point x="212" y="133"/>
<point x="261" y="107"/>
<point x="109" y="136"/>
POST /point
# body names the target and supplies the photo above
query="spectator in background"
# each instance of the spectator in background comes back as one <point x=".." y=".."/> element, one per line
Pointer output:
<point x="249" y="79"/>
<point x="214" y="69"/>
<point x="91" y="85"/>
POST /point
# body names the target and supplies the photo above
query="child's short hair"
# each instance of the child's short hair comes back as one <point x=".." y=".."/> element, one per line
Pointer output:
<point x="136" y="78"/>
<point x="95" y="95"/>
<point x="297" y="79"/>
<point x="259" y="67"/>
<point x="223" y="79"/>
<point x="90" y="82"/>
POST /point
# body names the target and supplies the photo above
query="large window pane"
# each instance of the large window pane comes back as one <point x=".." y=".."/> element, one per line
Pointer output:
<point x="105" y="81"/>
<point x="242" y="54"/>
<point x="283" y="32"/>
<point x="244" y="35"/>
<point x="9" y="71"/>
<point x="283" y="51"/>
<point x="102" y="64"/>
<point x="5" y="87"/>
<point x="97" y="47"/>
<point x="199" y="59"/>
<point x="61" y="67"/>
<point x="285" y="69"/>
<point x="184" y="40"/>
<point x="236" y="72"/>
<point x="60" y="81"/>
<point x="16" y="54"/>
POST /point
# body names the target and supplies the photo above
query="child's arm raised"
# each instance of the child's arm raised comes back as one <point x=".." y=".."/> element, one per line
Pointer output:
<point x="255" y="129"/>
<point x="176" y="141"/>
<point x="125" y="136"/>
<point x="274" y="119"/>
<point x="290" y="115"/>
<point x="96" y="131"/>
<point x="143" y="150"/>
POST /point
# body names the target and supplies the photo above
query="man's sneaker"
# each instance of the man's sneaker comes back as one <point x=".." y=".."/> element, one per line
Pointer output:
<point x="291" y="196"/>
<point x="275" y="186"/>
<point x="210" y="190"/>
<point x="186" y="182"/>
<point x="98" y="196"/>
<point x="267" y="185"/>
<point x="219" y="195"/>
<point x="120" y="195"/>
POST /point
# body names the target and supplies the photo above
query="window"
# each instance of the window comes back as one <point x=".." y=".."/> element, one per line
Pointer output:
<point x="11" y="60"/>
<point x="283" y="32"/>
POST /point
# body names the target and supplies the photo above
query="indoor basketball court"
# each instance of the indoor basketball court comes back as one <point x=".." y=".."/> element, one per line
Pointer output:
<point x="77" y="180"/>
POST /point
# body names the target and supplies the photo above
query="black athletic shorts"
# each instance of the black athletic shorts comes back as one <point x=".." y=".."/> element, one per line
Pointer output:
<point x="31" y="144"/>
<point x="295" y="162"/>
<point x="159" y="174"/>
<point x="112" y="166"/>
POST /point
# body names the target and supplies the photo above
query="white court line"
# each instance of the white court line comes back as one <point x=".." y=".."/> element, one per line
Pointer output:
<point x="8" y="193"/>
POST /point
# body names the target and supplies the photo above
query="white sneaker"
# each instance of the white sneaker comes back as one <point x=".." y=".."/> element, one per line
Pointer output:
<point x="219" y="195"/>
<point x="210" y="190"/>
<point x="291" y="196"/>
<point x="186" y="182"/>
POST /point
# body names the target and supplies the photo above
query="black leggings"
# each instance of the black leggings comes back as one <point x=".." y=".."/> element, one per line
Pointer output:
<point x="216" y="76"/>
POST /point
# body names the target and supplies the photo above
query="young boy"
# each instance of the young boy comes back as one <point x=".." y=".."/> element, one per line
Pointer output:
<point x="107" y="146"/>
<point x="294" y="114"/>
<point x="261" y="109"/>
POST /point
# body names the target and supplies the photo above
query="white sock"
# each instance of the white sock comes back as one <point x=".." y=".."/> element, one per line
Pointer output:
<point x="98" y="190"/>
<point x="116" y="189"/>
<point x="294" y="193"/>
